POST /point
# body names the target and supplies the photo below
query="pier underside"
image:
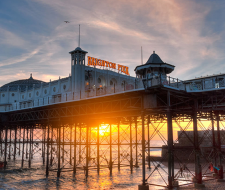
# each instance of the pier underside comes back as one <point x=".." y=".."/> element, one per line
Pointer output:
<point x="124" y="130"/>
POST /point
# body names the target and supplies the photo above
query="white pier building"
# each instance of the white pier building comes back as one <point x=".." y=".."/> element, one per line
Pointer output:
<point x="96" y="78"/>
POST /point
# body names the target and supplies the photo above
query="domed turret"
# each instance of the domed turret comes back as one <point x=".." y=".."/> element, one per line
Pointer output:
<point x="154" y="58"/>
<point x="154" y="71"/>
<point x="22" y="84"/>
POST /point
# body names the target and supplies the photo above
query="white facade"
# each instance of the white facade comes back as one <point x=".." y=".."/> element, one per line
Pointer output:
<point x="89" y="82"/>
<point x="84" y="82"/>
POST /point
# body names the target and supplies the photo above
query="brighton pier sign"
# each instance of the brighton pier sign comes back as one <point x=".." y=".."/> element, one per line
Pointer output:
<point x="98" y="62"/>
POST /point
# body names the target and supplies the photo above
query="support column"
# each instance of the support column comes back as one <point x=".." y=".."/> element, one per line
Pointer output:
<point x="71" y="145"/>
<point x="30" y="150"/>
<point x="51" y="159"/>
<point x="44" y="131"/>
<point x="15" y="143"/>
<point x="143" y="148"/>
<point x="80" y="144"/>
<point x="27" y="144"/>
<point x="170" y="144"/>
<point x="63" y="149"/>
<point x="131" y="147"/>
<point x="10" y="141"/>
<point x="143" y="186"/>
<point x="23" y="147"/>
<point x="219" y="148"/>
<point x="136" y="142"/>
<point x="198" y="169"/>
<point x="218" y="138"/>
<point x="87" y="149"/>
<point x="19" y="140"/>
<point x="110" y="149"/>
<point x="47" y="164"/>
<point x="213" y="140"/>
<point x="5" y="156"/>
<point x="75" y="150"/>
<point x="59" y="150"/>
<point x="32" y="144"/>
<point x="98" y="144"/>
<point x="1" y="141"/>
<point x="149" y="164"/>
<point x="119" y="144"/>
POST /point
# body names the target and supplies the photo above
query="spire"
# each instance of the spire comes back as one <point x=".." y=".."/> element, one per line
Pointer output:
<point x="31" y="76"/>
<point x="79" y="37"/>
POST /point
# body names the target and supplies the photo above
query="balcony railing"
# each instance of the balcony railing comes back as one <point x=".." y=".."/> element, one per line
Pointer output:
<point x="164" y="81"/>
<point x="195" y="85"/>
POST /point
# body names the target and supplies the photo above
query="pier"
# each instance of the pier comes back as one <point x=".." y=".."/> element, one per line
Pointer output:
<point x="113" y="127"/>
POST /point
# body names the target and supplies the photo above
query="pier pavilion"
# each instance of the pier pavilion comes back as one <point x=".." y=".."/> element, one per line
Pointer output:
<point x="75" y="123"/>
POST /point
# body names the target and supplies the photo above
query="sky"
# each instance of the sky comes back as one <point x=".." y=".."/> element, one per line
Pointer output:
<point x="35" y="39"/>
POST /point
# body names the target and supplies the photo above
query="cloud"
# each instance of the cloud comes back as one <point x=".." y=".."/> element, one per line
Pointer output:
<point x="177" y="30"/>
<point x="10" y="39"/>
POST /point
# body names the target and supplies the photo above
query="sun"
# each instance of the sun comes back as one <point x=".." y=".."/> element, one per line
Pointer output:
<point x="104" y="130"/>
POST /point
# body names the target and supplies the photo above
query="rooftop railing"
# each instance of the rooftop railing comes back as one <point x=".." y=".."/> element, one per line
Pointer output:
<point x="164" y="81"/>
<point x="194" y="85"/>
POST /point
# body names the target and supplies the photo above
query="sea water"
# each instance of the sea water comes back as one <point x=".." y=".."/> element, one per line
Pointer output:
<point x="14" y="177"/>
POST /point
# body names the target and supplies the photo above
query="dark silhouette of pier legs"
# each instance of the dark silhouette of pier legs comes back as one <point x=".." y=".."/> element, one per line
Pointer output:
<point x="131" y="152"/>
<point x="23" y="148"/>
<point x="43" y="149"/>
<point x="213" y="140"/>
<point x="1" y="131"/>
<point x="143" y="186"/>
<point x="170" y="145"/>
<point x="63" y="142"/>
<point x="219" y="146"/>
<point x="71" y="144"/>
<point x="98" y="163"/>
<point x="149" y="163"/>
<point x="87" y="151"/>
<point x="19" y="139"/>
<point x="47" y="164"/>
<point x="59" y="150"/>
<point x="10" y="142"/>
<point x="75" y="150"/>
<point x="136" y="142"/>
<point x="198" y="168"/>
<point x="15" y="141"/>
<point x="27" y="140"/>
<point x="118" y="125"/>
<point x="110" y="149"/>
<point x="30" y="149"/>
<point x="51" y="158"/>
<point x="5" y="156"/>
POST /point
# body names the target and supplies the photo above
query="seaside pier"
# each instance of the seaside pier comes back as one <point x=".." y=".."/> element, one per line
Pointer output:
<point x="97" y="119"/>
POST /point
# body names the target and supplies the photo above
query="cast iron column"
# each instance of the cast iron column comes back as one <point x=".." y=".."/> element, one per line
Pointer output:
<point x="170" y="143"/>
<point x="198" y="172"/>
<point x="59" y="150"/>
<point x="143" y="148"/>
<point x="47" y="165"/>
<point x="5" y="156"/>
